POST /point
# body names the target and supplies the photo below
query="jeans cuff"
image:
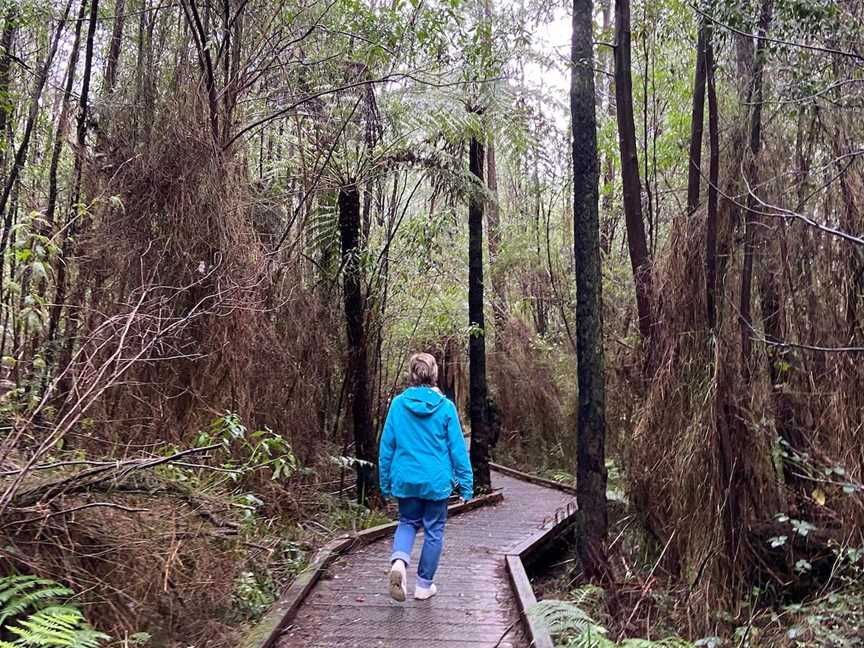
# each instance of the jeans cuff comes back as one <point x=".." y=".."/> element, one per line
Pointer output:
<point x="400" y="555"/>
<point x="422" y="582"/>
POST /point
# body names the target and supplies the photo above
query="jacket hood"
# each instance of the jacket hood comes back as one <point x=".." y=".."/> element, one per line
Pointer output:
<point x="422" y="401"/>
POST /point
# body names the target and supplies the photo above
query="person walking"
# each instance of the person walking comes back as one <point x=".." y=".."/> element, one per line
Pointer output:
<point x="422" y="456"/>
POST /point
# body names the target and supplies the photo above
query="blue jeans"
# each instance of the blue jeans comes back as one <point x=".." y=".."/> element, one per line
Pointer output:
<point x="431" y="515"/>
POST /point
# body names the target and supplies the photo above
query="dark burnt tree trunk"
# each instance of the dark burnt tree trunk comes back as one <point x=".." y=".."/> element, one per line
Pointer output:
<point x="365" y="449"/>
<point x="713" y="180"/>
<point x="591" y="425"/>
<point x="640" y="260"/>
<point x="694" y="173"/>
<point x="478" y="392"/>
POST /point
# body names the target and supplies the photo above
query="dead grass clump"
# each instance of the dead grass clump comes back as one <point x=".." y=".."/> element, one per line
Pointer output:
<point x="159" y="566"/>
<point x="176" y="242"/>
<point x="526" y="386"/>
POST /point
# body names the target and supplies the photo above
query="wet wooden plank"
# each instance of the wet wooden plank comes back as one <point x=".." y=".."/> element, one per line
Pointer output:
<point x="476" y="606"/>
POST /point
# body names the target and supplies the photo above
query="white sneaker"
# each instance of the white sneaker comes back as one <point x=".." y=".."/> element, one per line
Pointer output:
<point x="423" y="593"/>
<point x="398" y="586"/>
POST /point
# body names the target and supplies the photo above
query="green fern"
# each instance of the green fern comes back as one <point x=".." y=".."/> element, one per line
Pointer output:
<point x="573" y="627"/>
<point x="29" y="610"/>
<point x="19" y="593"/>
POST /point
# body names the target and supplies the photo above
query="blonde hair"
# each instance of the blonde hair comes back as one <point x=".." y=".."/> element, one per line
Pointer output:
<point x="422" y="370"/>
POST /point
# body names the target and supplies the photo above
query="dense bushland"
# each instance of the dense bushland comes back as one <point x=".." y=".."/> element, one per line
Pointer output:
<point x="225" y="226"/>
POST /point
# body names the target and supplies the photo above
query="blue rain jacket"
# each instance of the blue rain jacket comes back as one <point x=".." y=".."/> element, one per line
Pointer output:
<point x="422" y="451"/>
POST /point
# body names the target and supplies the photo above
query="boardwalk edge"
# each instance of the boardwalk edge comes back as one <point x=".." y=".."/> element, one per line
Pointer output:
<point x="267" y="631"/>
<point x="517" y="556"/>
<point x="534" y="479"/>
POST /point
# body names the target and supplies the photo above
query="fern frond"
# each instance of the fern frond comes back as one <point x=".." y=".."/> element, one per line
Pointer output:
<point x="561" y="617"/>
<point x="57" y="626"/>
<point x="20" y="593"/>
<point x="575" y="628"/>
<point x="49" y="625"/>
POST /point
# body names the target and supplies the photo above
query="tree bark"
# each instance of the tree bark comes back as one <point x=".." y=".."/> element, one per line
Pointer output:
<point x="10" y="23"/>
<point x="478" y="392"/>
<point x="694" y="175"/>
<point x="365" y="448"/>
<point x="639" y="257"/>
<point x="713" y="180"/>
<point x="116" y="47"/>
<point x="591" y="426"/>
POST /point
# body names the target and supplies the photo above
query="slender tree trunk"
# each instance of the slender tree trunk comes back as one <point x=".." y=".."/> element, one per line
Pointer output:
<point x="64" y="118"/>
<point x="609" y="221"/>
<point x="752" y="178"/>
<point x="639" y="257"/>
<point x="591" y="426"/>
<point x="713" y="180"/>
<point x="478" y="393"/>
<point x="10" y="24"/>
<point x="116" y="47"/>
<point x="365" y="448"/>
<point x="21" y="153"/>
<point x="694" y="174"/>
<point x="67" y="251"/>
<point x="493" y="223"/>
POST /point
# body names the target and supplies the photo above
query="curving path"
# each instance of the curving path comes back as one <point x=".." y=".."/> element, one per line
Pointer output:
<point x="475" y="606"/>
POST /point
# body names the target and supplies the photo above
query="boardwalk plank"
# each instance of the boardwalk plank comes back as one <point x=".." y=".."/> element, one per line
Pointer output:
<point x="349" y="606"/>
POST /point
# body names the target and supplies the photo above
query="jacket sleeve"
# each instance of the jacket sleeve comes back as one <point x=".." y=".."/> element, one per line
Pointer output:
<point x="385" y="455"/>
<point x="459" y="456"/>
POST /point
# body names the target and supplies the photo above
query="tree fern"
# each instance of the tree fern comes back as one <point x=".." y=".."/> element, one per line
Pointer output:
<point x="30" y="611"/>
<point x="573" y="627"/>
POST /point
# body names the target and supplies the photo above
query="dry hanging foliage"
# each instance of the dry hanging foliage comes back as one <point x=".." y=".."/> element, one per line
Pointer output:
<point x="174" y="237"/>
<point x="706" y="464"/>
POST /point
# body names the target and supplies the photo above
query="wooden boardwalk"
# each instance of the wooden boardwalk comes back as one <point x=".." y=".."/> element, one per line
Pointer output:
<point x="475" y="606"/>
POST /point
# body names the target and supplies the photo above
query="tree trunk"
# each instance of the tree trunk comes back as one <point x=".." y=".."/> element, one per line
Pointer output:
<point x="609" y="222"/>
<point x="591" y="425"/>
<point x="713" y="180"/>
<point x="116" y="47"/>
<point x="10" y="23"/>
<point x="365" y="448"/>
<point x="752" y="177"/>
<point x="67" y="251"/>
<point x="478" y="393"/>
<point x="64" y="117"/>
<point x="694" y="175"/>
<point x="493" y="224"/>
<point x="639" y="258"/>
<point x="21" y="153"/>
